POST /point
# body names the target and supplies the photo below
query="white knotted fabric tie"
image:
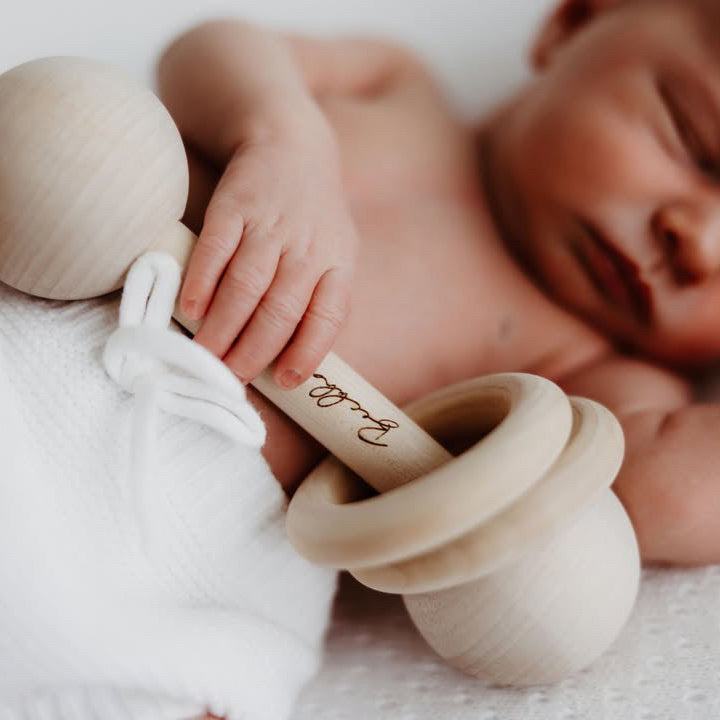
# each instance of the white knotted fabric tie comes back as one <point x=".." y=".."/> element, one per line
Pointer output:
<point x="164" y="369"/>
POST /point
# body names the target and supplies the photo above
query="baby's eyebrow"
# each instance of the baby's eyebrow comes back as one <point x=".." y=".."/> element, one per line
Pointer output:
<point x="690" y="96"/>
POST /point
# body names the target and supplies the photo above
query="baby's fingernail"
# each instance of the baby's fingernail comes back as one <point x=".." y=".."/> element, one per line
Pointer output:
<point x="289" y="379"/>
<point x="191" y="309"/>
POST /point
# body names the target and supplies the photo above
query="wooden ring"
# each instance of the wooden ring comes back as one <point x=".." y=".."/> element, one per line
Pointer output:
<point x="586" y="467"/>
<point x="528" y="420"/>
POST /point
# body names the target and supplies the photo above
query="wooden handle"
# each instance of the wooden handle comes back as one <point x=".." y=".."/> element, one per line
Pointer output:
<point x="357" y="424"/>
<point x="340" y="409"/>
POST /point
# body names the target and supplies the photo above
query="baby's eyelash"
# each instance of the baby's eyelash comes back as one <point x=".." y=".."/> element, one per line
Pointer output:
<point x="704" y="160"/>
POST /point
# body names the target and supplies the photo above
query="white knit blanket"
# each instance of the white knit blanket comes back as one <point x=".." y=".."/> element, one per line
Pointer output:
<point x="216" y="613"/>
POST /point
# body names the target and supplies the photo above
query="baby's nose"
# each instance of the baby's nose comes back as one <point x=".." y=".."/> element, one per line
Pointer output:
<point x="689" y="233"/>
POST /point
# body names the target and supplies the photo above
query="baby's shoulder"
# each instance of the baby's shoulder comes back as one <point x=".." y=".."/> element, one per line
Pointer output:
<point x="628" y="385"/>
<point x="406" y="138"/>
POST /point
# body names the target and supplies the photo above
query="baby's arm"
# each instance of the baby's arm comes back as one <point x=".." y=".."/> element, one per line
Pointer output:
<point x="669" y="481"/>
<point x="271" y="273"/>
<point x="272" y="270"/>
<point x="227" y="81"/>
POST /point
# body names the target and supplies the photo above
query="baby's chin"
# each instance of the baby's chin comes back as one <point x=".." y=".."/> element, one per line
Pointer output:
<point x="681" y="350"/>
<point x="688" y="346"/>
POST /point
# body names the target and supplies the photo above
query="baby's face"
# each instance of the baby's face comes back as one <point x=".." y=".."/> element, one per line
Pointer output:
<point x="606" y="177"/>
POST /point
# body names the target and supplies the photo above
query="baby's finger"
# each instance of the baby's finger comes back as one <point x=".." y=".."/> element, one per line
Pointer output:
<point x="319" y="327"/>
<point x="218" y="241"/>
<point x="275" y="319"/>
<point x="246" y="279"/>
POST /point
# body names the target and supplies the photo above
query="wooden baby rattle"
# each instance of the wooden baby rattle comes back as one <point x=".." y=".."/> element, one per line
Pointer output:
<point x="516" y="560"/>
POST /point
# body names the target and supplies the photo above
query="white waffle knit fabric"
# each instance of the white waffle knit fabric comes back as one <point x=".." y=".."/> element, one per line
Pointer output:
<point x="127" y="602"/>
<point x="664" y="666"/>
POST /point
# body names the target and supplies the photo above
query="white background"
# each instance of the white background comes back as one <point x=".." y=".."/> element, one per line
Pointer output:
<point x="477" y="48"/>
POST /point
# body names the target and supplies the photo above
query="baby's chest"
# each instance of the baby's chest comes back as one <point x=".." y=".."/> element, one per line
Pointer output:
<point x="429" y="305"/>
<point x="400" y="144"/>
<point x="435" y="300"/>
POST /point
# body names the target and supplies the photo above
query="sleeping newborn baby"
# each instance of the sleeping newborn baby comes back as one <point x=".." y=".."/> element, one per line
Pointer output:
<point x="574" y="234"/>
<point x="339" y="203"/>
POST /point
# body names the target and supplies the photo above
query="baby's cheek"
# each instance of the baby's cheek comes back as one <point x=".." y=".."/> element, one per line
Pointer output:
<point x="591" y="141"/>
<point x="687" y="326"/>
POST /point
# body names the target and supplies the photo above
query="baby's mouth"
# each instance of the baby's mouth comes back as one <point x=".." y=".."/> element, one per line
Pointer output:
<point x="615" y="276"/>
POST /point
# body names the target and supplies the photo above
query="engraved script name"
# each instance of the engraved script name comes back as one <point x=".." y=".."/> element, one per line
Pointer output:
<point x="329" y="394"/>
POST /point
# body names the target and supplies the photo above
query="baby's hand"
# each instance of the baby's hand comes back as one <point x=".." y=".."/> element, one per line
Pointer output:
<point x="276" y="256"/>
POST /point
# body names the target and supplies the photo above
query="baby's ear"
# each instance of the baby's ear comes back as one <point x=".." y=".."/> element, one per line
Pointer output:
<point x="567" y="18"/>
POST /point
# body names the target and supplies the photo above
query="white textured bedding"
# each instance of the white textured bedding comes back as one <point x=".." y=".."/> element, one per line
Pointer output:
<point x="666" y="665"/>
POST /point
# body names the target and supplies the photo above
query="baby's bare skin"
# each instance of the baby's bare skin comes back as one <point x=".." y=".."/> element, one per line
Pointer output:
<point x="437" y="298"/>
<point x="438" y="295"/>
